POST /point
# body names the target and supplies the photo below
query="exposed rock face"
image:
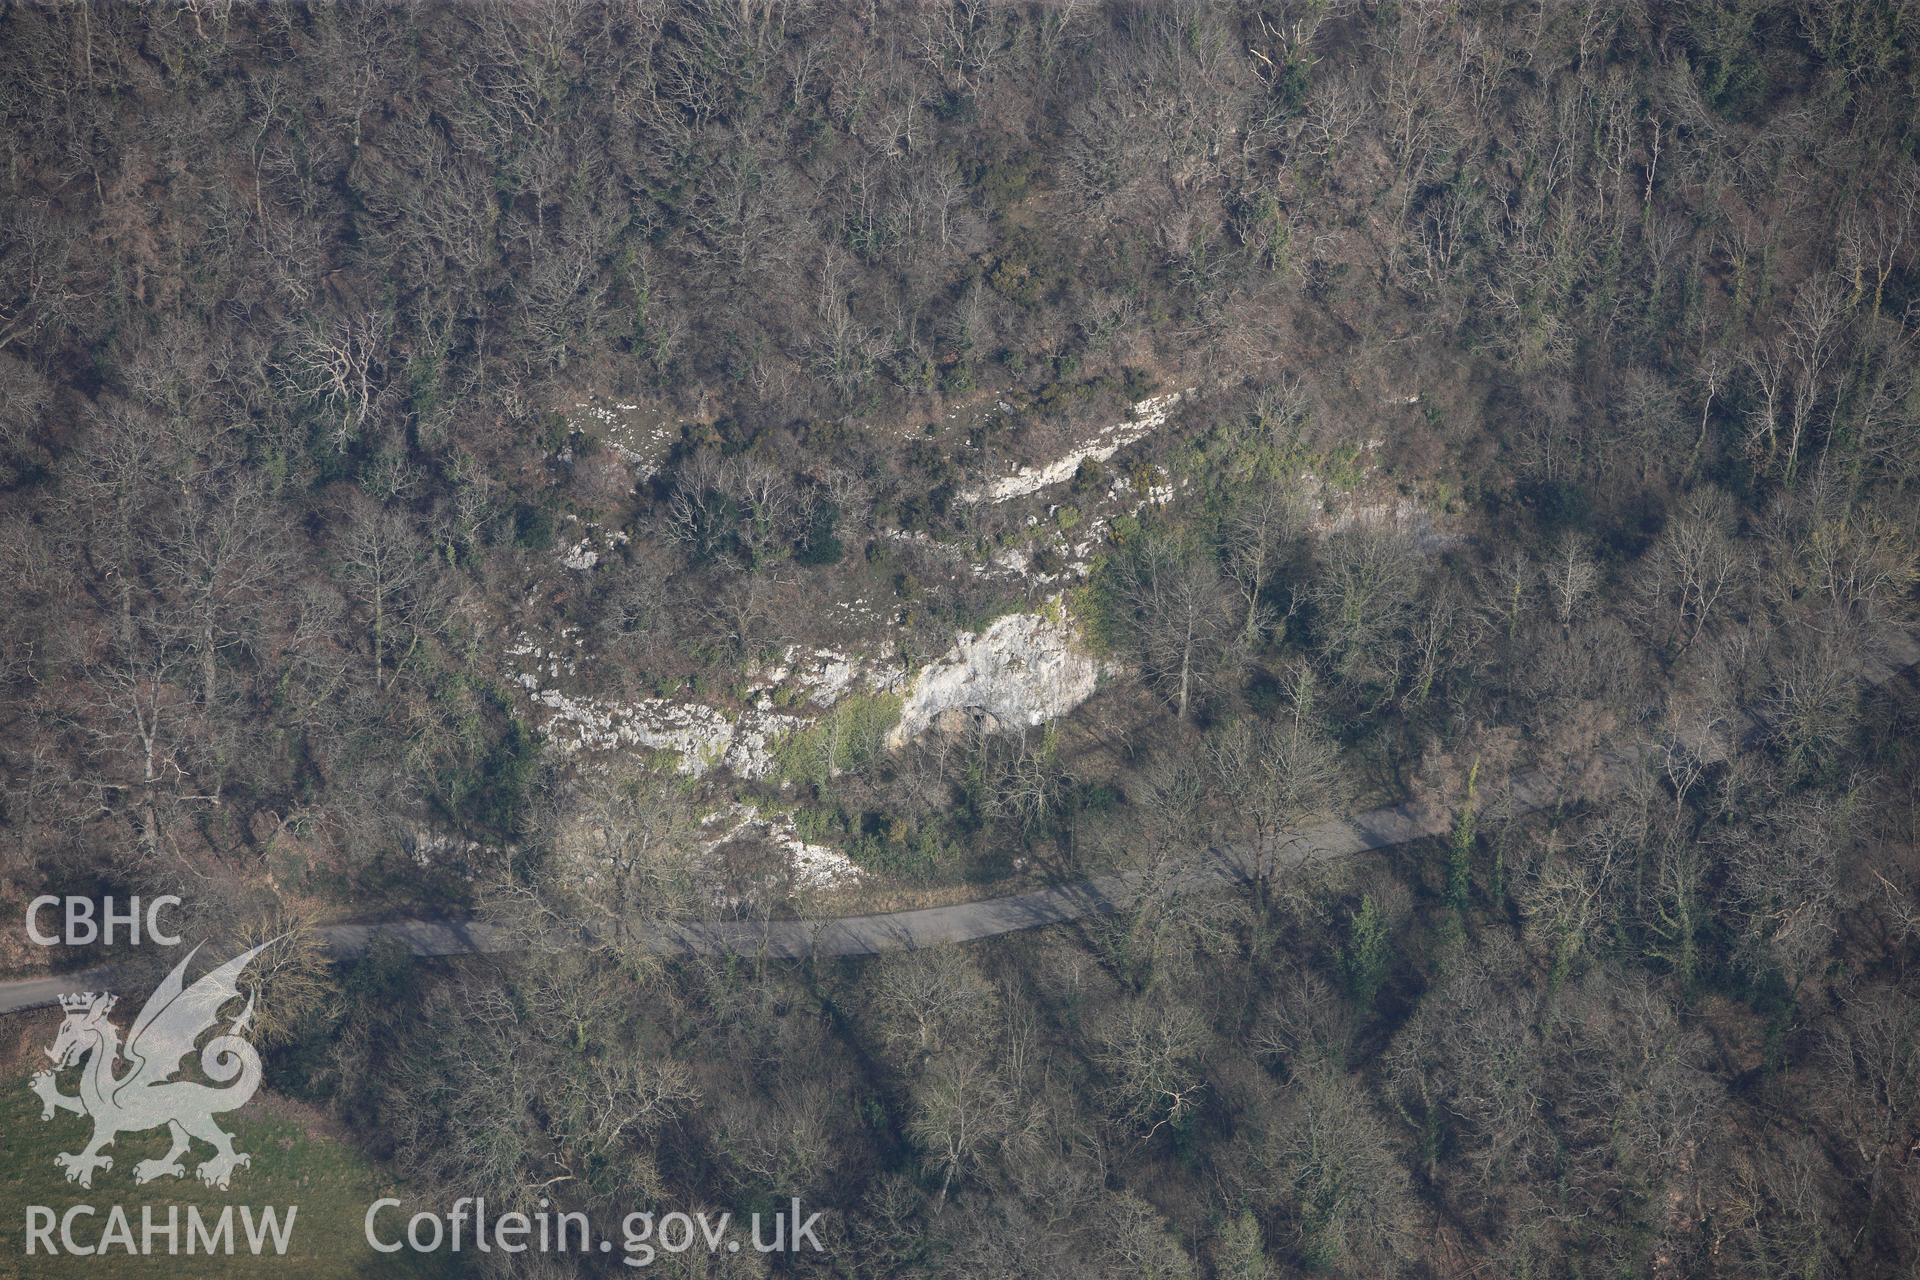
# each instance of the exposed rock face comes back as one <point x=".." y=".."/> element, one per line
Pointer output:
<point x="702" y="736"/>
<point x="1147" y="417"/>
<point x="589" y="550"/>
<point x="820" y="677"/>
<point x="1025" y="669"/>
<point x="959" y="720"/>
<point x="814" y="866"/>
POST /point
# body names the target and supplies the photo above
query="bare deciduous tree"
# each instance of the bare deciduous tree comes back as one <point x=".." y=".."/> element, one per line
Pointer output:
<point x="1693" y="570"/>
<point x="385" y="563"/>
<point x="1151" y="1051"/>
<point x="929" y="1002"/>
<point x="1336" y="1167"/>
<point x="1363" y="597"/>
<point x="1265" y="519"/>
<point x="1572" y="576"/>
<point x="962" y="1113"/>
<point x="624" y="857"/>
<point x="1871" y="1074"/>
<point x="1171" y="600"/>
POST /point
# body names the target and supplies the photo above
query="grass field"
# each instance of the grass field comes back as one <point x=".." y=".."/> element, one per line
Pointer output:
<point x="296" y="1162"/>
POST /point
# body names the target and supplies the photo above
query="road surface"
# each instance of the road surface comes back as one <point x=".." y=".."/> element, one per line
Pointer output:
<point x="989" y="917"/>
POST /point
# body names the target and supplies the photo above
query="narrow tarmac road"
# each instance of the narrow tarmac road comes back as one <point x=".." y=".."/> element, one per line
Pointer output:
<point x="988" y="917"/>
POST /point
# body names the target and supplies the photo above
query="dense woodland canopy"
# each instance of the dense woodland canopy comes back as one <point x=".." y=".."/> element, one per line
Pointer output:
<point x="294" y="302"/>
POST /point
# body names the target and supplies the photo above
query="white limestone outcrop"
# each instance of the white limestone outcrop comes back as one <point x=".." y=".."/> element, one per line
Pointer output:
<point x="1023" y="670"/>
<point x="1147" y="416"/>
